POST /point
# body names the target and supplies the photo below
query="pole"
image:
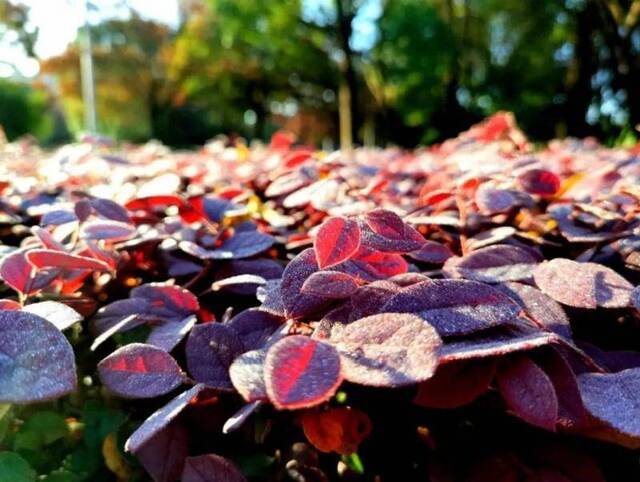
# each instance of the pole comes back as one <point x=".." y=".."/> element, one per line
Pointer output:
<point x="86" y="74"/>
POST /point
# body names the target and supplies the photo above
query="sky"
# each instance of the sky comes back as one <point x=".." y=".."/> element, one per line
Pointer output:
<point x="58" y="22"/>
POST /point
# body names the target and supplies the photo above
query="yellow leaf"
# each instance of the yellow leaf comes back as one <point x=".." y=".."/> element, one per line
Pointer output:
<point x="113" y="458"/>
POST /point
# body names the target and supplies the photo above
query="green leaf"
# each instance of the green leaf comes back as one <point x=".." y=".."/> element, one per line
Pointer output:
<point x="14" y="468"/>
<point x="63" y="476"/>
<point x="5" y="419"/>
<point x="254" y="465"/>
<point x="354" y="463"/>
<point x="49" y="426"/>
<point x="99" y="422"/>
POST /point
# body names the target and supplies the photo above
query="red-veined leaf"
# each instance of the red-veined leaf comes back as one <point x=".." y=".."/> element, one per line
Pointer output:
<point x="336" y="241"/>
<point x="300" y="372"/>
<point x="140" y="371"/>
<point x="47" y="258"/>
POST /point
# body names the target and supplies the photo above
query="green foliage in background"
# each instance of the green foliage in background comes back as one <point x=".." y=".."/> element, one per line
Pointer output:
<point x="416" y="71"/>
<point x="23" y="110"/>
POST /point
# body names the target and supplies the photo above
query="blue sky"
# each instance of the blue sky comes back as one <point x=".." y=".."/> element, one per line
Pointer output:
<point x="58" y="22"/>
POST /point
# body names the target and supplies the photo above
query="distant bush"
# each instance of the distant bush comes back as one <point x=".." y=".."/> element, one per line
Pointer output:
<point x="23" y="110"/>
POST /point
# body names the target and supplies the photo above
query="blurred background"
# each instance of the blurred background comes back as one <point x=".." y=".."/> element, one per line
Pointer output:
<point x="335" y="72"/>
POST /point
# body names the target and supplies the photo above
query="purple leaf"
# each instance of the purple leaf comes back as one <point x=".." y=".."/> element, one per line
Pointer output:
<point x="455" y="307"/>
<point x="110" y="210"/>
<point x="243" y="280"/>
<point x="140" y="371"/>
<point x="493" y="264"/>
<point x="163" y="456"/>
<point x="543" y="309"/>
<point x="113" y="313"/>
<point x="168" y="334"/>
<point x="215" y="208"/>
<point x="296" y="303"/>
<point x="61" y="315"/>
<point x="107" y="230"/>
<point x="431" y="252"/>
<point x="161" y="418"/>
<point x="166" y="301"/>
<point x="57" y="217"/>
<point x="210" y="468"/>
<point x="243" y="245"/>
<point x="528" y="392"/>
<point x="387" y="350"/>
<point x="300" y="372"/>
<point x="254" y="327"/>
<point x="492" y="236"/>
<point x="237" y="419"/>
<point x="247" y="375"/>
<point x="330" y="284"/>
<point x="583" y="285"/>
<point x="271" y="298"/>
<point x="36" y="360"/>
<point x="265" y="268"/>
<point x="337" y="240"/>
<point x="210" y="350"/>
<point x="613" y="399"/>
<point x="369" y="299"/>
<point x="384" y="230"/>
<point x="495" y="343"/>
<point x="125" y="324"/>
<point x="491" y="200"/>
<point x="571" y="411"/>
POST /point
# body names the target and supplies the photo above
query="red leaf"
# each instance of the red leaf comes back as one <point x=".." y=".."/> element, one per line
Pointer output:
<point x="301" y="372"/>
<point x="339" y="430"/>
<point x="15" y="270"/>
<point x="539" y="181"/>
<point x="337" y="240"/>
<point x="152" y="202"/>
<point x="456" y="384"/>
<point x="47" y="258"/>
<point x="528" y="392"/>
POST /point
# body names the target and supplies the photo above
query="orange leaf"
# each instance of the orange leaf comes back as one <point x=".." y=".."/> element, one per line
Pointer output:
<point x="339" y="430"/>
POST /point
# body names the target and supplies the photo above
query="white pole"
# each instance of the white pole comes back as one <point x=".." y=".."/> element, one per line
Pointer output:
<point x="86" y="72"/>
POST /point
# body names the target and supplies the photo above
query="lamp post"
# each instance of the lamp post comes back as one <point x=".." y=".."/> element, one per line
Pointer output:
<point x="86" y="73"/>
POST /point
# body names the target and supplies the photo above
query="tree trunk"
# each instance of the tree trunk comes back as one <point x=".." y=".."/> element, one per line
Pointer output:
<point x="347" y="93"/>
